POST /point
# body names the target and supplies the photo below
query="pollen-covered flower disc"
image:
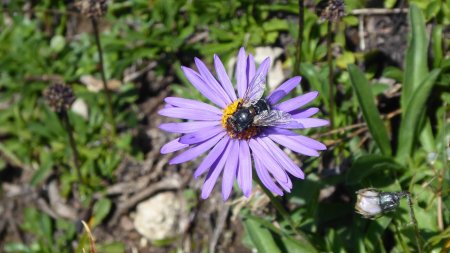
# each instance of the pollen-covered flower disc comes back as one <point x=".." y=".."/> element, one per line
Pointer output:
<point x="241" y="130"/>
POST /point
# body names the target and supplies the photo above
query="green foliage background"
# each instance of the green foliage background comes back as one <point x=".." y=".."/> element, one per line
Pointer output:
<point x="409" y="154"/>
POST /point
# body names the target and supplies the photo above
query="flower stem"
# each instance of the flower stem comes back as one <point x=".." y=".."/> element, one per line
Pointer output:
<point x="73" y="146"/>
<point x="330" y="73"/>
<point x="301" y="20"/>
<point x="102" y="72"/>
<point x="282" y="211"/>
<point x="414" y="222"/>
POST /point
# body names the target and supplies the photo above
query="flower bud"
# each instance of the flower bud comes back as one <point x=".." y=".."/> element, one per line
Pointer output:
<point x="368" y="203"/>
<point x="372" y="203"/>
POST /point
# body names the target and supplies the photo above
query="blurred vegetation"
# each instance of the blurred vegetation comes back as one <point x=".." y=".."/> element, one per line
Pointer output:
<point x="385" y="138"/>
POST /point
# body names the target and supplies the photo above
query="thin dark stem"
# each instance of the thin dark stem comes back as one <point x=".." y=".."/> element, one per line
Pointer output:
<point x="414" y="221"/>
<point x="102" y="71"/>
<point x="73" y="146"/>
<point x="282" y="211"/>
<point x="330" y="73"/>
<point x="301" y="20"/>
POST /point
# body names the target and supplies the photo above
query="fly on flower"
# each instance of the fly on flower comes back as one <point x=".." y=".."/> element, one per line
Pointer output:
<point x="242" y="129"/>
<point x="254" y="111"/>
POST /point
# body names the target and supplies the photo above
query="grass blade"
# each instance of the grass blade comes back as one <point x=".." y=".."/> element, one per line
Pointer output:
<point x="416" y="55"/>
<point x="408" y="133"/>
<point x="370" y="111"/>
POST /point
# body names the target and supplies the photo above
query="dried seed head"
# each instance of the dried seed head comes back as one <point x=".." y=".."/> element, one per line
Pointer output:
<point x="332" y="10"/>
<point x="92" y="8"/>
<point x="59" y="97"/>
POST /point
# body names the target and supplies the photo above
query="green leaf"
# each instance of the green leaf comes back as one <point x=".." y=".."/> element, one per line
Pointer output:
<point x="114" y="247"/>
<point x="17" y="248"/>
<point x="291" y="244"/>
<point x="275" y="25"/>
<point x="370" y="111"/>
<point x="45" y="167"/>
<point x="408" y="132"/>
<point x="436" y="36"/>
<point x="345" y="59"/>
<point x="57" y="43"/>
<point x="101" y="210"/>
<point x="366" y="165"/>
<point x="314" y="78"/>
<point x="261" y="237"/>
<point x="416" y="55"/>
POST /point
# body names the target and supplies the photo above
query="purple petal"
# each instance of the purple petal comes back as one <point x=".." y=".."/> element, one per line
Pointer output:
<point x="274" y="167"/>
<point x="279" y="131"/>
<point x="250" y="68"/>
<point x="245" y="168"/>
<point x="211" y="157"/>
<point x="196" y="150"/>
<point x="304" y="113"/>
<point x="285" y="161"/>
<point x="188" y="127"/>
<point x="197" y="81"/>
<point x="310" y="143"/>
<point x="292" y="124"/>
<point x="202" y="135"/>
<point x="224" y="78"/>
<point x="303" y="140"/>
<point x="209" y="79"/>
<point x="214" y="173"/>
<point x="283" y="90"/>
<point x="186" y="113"/>
<point x="241" y="77"/>
<point x="229" y="172"/>
<point x="292" y="144"/>
<point x="287" y="186"/>
<point x="192" y="104"/>
<point x="279" y="173"/>
<point x="294" y="103"/>
<point x="265" y="178"/>
<point x="312" y="122"/>
<point x="173" y="146"/>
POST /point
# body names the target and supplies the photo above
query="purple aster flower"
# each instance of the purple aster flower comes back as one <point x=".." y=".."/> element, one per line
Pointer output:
<point x="241" y="128"/>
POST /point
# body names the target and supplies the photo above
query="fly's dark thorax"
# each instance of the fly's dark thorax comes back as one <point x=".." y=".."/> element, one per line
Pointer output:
<point x="261" y="106"/>
<point x="242" y="119"/>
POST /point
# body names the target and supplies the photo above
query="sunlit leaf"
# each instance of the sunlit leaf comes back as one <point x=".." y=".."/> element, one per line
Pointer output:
<point x="371" y="115"/>
<point x="409" y="126"/>
<point x="416" y="55"/>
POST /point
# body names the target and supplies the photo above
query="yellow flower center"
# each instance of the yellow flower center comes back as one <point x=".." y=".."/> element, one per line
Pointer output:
<point x="227" y="113"/>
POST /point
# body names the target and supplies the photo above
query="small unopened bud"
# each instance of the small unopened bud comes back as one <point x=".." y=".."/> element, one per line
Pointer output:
<point x="332" y="10"/>
<point x="59" y="97"/>
<point x="92" y="8"/>
<point x="368" y="203"/>
<point x="372" y="203"/>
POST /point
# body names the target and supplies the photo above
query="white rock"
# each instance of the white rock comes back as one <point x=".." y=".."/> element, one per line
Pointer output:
<point x="80" y="107"/>
<point x="162" y="216"/>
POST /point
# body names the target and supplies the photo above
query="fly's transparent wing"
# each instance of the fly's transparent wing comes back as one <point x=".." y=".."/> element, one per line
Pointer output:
<point x="272" y="118"/>
<point x="255" y="89"/>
